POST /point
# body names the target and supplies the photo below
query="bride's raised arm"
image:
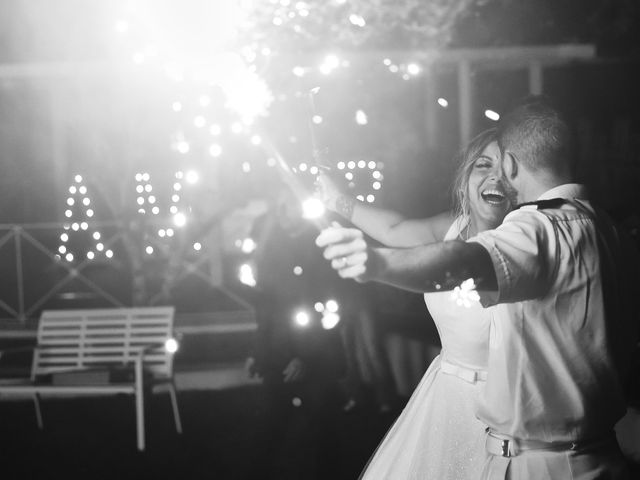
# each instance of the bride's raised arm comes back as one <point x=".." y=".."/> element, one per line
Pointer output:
<point x="389" y="227"/>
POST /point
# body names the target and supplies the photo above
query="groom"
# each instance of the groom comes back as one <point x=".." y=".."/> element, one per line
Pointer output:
<point x="566" y="320"/>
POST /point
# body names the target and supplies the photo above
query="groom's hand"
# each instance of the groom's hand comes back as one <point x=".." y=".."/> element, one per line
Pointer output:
<point x="349" y="253"/>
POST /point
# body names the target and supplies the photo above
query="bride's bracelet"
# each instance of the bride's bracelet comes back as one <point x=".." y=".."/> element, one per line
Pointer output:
<point x="344" y="206"/>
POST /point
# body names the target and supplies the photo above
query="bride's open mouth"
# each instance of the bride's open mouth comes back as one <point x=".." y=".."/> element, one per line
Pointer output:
<point x="493" y="196"/>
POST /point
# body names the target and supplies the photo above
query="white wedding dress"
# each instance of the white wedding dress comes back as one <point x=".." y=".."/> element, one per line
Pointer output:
<point x="437" y="436"/>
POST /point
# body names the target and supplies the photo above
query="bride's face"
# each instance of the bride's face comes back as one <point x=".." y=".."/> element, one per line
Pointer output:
<point x="488" y="201"/>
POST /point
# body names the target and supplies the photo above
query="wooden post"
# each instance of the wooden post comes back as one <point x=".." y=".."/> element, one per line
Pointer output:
<point x="535" y="78"/>
<point x="465" y="99"/>
<point x="431" y="121"/>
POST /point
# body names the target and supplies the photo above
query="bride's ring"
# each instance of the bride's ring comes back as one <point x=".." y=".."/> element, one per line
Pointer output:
<point x="343" y="262"/>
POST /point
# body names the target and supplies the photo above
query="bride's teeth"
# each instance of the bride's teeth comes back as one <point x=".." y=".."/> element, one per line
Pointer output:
<point x="494" y="192"/>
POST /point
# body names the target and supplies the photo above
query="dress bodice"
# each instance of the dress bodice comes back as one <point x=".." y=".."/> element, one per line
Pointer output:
<point x="464" y="331"/>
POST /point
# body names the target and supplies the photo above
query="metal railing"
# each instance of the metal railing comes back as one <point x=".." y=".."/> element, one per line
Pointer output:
<point x="37" y="276"/>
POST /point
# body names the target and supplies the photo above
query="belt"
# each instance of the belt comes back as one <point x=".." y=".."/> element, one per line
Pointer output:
<point x="504" y="446"/>
<point x="466" y="374"/>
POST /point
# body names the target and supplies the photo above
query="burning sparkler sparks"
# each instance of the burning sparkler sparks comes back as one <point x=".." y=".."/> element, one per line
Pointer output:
<point x="465" y="294"/>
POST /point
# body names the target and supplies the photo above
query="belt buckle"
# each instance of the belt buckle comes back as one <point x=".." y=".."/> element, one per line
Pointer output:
<point x="504" y="445"/>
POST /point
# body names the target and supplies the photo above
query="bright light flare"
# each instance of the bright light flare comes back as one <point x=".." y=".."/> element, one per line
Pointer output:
<point x="414" y="69"/>
<point x="331" y="306"/>
<point x="466" y="294"/>
<point x="247" y="94"/>
<point x="179" y="219"/>
<point x="182" y="147"/>
<point x="192" y="177"/>
<point x="357" y="20"/>
<point x="313" y="208"/>
<point x="330" y="320"/>
<point x="302" y="318"/>
<point x="248" y="245"/>
<point x="246" y="276"/>
<point x="171" y="345"/>
<point x="164" y="25"/>
<point x="329" y="64"/>
<point x="491" y="115"/>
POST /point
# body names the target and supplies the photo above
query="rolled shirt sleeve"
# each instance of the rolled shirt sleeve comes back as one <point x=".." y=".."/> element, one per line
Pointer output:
<point x="523" y="252"/>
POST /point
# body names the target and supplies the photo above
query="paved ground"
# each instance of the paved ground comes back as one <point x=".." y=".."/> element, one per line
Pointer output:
<point x="224" y="437"/>
<point x="94" y="438"/>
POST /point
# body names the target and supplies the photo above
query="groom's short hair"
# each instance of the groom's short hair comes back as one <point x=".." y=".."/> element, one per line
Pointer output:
<point x="538" y="134"/>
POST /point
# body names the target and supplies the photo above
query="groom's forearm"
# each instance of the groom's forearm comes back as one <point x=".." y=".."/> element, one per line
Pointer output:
<point x="435" y="267"/>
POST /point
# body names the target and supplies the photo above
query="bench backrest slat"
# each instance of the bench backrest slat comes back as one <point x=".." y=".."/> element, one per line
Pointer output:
<point x="72" y="339"/>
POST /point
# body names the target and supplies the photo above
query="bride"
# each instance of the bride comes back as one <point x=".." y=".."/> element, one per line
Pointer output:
<point x="437" y="435"/>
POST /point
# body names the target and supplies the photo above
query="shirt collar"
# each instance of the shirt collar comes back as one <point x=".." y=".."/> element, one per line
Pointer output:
<point x="567" y="190"/>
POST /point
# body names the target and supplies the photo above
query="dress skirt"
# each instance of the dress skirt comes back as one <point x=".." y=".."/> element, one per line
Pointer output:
<point x="437" y="436"/>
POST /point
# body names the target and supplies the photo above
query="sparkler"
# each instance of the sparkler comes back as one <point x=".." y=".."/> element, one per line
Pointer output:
<point x="317" y="153"/>
<point x="313" y="207"/>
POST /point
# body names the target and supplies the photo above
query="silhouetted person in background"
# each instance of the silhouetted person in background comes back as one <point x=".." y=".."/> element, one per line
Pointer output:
<point x="299" y="361"/>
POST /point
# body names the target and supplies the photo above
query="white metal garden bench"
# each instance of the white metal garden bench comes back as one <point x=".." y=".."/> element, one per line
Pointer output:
<point x="101" y="352"/>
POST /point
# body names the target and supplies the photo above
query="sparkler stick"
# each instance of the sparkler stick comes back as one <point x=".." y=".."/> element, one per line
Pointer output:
<point x="318" y="159"/>
<point x="298" y="188"/>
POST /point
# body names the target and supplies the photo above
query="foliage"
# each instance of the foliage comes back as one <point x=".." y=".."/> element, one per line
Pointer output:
<point x="355" y="23"/>
<point x="612" y="25"/>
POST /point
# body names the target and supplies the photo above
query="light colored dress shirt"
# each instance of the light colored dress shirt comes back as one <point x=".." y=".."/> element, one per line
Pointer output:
<point x="553" y="372"/>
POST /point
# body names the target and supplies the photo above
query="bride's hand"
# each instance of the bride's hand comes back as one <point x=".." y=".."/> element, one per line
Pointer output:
<point x="349" y="253"/>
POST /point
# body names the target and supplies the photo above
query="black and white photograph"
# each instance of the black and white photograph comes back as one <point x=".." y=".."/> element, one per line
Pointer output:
<point x="320" y="239"/>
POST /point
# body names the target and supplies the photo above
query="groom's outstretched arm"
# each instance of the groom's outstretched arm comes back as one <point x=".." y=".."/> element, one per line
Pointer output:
<point x="427" y="268"/>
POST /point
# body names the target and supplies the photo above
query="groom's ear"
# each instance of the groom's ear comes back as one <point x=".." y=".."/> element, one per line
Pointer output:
<point x="509" y="165"/>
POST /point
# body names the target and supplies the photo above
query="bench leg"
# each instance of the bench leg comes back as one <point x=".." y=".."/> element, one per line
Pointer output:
<point x="174" y="404"/>
<point x="139" y="405"/>
<point x="36" y="404"/>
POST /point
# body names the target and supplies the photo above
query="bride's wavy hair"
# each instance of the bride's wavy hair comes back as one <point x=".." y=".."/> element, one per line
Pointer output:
<point x="465" y="159"/>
